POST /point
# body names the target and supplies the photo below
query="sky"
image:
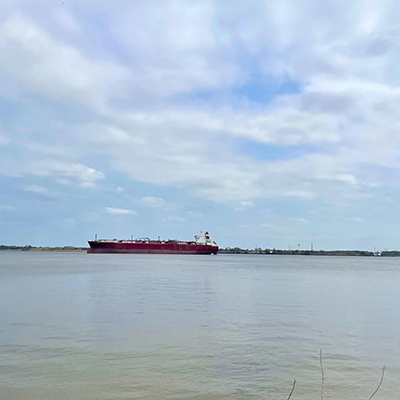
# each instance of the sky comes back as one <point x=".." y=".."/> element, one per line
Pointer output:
<point x="266" y="123"/>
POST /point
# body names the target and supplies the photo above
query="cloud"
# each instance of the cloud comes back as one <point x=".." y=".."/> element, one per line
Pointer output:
<point x="356" y="219"/>
<point x="58" y="169"/>
<point x="268" y="225"/>
<point x="244" y="205"/>
<point x="172" y="46"/>
<point x="120" y="211"/>
<point x="63" y="181"/>
<point x="38" y="190"/>
<point x="174" y="218"/>
<point x="120" y="189"/>
<point x="66" y="21"/>
<point x="38" y="63"/>
<point x="6" y="207"/>
<point x="146" y="88"/>
<point x="153" y="202"/>
<point x="302" y="220"/>
<point x="69" y="222"/>
<point x="4" y="140"/>
<point x="195" y="214"/>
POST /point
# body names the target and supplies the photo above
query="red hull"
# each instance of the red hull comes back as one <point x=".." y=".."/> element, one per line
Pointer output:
<point x="114" y="246"/>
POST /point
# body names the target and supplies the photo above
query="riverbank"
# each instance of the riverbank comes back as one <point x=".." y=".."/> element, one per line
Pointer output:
<point x="351" y="253"/>
<point x="228" y="250"/>
<point x="32" y="248"/>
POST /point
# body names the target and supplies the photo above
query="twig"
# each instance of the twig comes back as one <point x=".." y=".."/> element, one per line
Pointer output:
<point x="322" y="375"/>
<point x="380" y="383"/>
<point x="294" y="384"/>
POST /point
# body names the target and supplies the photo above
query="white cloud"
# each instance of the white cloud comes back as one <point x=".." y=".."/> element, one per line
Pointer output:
<point x="195" y="214"/>
<point x="39" y="64"/>
<point x="69" y="222"/>
<point x="244" y="226"/>
<point x="173" y="46"/>
<point x="344" y="64"/>
<point x="4" y="140"/>
<point x="6" y="207"/>
<point x="357" y="219"/>
<point x="186" y="161"/>
<point x="244" y="205"/>
<point x="88" y="184"/>
<point x="302" y="220"/>
<point x="46" y="149"/>
<point x="268" y="226"/>
<point x="120" y="211"/>
<point x="120" y="189"/>
<point x="63" y="181"/>
<point x="66" y="21"/>
<point x="50" y="167"/>
<point x="153" y="202"/>
<point x="174" y="218"/>
<point x="39" y="190"/>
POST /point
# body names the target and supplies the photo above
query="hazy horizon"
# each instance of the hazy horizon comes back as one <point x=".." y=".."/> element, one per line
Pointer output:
<point x="268" y="123"/>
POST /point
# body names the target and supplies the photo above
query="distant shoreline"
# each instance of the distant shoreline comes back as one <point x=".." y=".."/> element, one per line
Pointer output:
<point x="351" y="253"/>
<point x="235" y="250"/>
<point x="32" y="248"/>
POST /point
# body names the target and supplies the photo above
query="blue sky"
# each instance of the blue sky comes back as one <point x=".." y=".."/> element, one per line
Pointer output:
<point x="266" y="123"/>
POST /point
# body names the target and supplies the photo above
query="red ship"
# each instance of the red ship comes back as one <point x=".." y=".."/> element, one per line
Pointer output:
<point x="202" y="244"/>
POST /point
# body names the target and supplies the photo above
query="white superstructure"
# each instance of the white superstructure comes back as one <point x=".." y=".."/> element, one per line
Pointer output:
<point x="204" y="239"/>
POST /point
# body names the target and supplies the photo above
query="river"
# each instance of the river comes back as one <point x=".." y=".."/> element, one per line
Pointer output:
<point x="103" y="326"/>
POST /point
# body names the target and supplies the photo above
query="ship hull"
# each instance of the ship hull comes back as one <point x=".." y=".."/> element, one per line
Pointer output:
<point x="150" y="248"/>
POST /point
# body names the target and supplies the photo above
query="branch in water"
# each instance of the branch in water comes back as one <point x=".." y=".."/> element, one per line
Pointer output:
<point x="290" y="395"/>
<point x="322" y="375"/>
<point x="380" y="383"/>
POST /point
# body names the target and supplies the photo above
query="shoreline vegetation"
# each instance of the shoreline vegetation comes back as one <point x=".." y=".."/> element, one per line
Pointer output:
<point x="230" y="250"/>
<point x="358" y="253"/>
<point x="351" y="253"/>
<point x="33" y="248"/>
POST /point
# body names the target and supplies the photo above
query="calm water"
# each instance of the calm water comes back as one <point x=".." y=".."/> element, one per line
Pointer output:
<point x="79" y="326"/>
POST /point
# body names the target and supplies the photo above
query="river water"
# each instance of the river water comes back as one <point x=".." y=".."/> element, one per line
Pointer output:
<point x="99" y="326"/>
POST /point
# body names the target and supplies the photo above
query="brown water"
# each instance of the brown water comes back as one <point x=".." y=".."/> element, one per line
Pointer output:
<point x="78" y="326"/>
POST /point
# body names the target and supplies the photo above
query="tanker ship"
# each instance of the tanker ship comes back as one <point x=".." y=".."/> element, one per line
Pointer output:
<point x="202" y="244"/>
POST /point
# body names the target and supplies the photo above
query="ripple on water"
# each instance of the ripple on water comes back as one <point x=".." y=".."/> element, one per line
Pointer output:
<point x="234" y="327"/>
